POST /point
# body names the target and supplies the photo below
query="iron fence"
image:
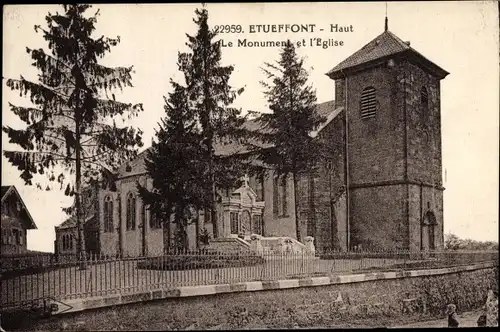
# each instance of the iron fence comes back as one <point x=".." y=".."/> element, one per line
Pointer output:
<point x="25" y="279"/>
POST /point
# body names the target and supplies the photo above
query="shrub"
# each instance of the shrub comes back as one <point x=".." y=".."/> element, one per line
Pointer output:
<point x="205" y="260"/>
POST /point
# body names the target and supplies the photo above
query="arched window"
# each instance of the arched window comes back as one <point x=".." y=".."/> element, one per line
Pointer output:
<point x="257" y="224"/>
<point x="284" y="197"/>
<point x="280" y="199"/>
<point x="154" y="220"/>
<point x="131" y="204"/>
<point x="15" y="233"/>
<point x="424" y="99"/>
<point x="259" y="187"/>
<point x="368" y="103"/>
<point x="426" y="137"/>
<point x="108" y="214"/>
<point x="67" y="242"/>
<point x="234" y="223"/>
<point x="142" y="221"/>
<point x="246" y="222"/>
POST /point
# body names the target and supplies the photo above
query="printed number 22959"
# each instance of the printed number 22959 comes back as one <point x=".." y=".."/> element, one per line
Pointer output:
<point x="228" y="28"/>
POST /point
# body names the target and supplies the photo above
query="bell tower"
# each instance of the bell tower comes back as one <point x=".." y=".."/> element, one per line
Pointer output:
<point x="391" y="94"/>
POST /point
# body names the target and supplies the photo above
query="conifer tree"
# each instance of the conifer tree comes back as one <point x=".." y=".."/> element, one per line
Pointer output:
<point x="292" y="119"/>
<point x="207" y="84"/>
<point x="175" y="164"/>
<point x="71" y="134"/>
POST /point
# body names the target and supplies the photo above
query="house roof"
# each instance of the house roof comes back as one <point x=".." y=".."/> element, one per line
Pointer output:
<point x="6" y="192"/>
<point x="5" y="189"/>
<point x="384" y="45"/>
<point x="137" y="166"/>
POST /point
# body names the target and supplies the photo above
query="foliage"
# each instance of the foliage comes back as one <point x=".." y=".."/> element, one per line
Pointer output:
<point x="467" y="291"/>
<point x="175" y="164"/>
<point x="198" y="260"/>
<point x="183" y="163"/>
<point x="211" y="95"/>
<point x="71" y="128"/>
<point x="293" y="118"/>
<point x="453" y="242"/>
<point x="70" y="99"/>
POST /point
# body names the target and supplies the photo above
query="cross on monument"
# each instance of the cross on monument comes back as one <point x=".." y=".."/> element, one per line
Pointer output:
<point x="245" y="180"/>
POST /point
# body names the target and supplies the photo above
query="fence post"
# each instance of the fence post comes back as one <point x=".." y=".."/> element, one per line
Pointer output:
<point x="405" y="255"/>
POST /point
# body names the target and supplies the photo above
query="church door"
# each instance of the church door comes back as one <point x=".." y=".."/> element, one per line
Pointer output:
<point x="428" y="231"/>
<point x="245" y="223"/>
<point x="432" y="245"/>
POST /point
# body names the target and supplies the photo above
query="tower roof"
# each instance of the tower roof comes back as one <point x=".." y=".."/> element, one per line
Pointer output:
<point x="380" y="48"/>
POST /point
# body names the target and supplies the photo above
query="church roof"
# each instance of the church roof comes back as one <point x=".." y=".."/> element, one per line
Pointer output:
<point x="137" y="166"/>
<point x="384" y="45"/>
<point x="71" y="222"/>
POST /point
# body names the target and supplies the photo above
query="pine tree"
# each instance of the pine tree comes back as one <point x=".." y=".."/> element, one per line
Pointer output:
<point x="288" y="127"/>
<point x="207" y="84"/>
<point x="175" y="164"/>
<point x="71" y="128"/>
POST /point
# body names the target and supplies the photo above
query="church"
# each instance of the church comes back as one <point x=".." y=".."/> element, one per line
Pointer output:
<point x="379" y="188"/>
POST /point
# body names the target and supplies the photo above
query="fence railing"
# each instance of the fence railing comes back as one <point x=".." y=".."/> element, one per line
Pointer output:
<point x="25" y="279"/>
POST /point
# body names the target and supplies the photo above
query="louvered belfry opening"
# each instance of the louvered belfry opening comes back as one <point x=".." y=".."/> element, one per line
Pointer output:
<point x="368" y="103"/>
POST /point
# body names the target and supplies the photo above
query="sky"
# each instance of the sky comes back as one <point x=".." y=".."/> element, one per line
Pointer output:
<point x="461" y="37"/>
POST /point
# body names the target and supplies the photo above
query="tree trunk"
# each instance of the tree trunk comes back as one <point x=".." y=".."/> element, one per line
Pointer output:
<point x="144" y="239"/>
<point x="197" y="229"/>
<point x="78" y="170"/>
<point x="296" y="207"/>
<point x="119" y="227"/>
<point x="78" y="185"/>
<point x="213" y="209"/>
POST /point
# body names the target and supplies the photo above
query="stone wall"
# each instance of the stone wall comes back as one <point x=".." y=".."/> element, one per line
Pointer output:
<point x="328" y="211"/>
<point x="377" y="215"/>
<point x="393" y="154"/>
<point x="376" y="145"/>
<point x="278" y="225"/>
<point x="311" y="302"/>
<point x="424" y="124"/>
<point x="424" y="151"/>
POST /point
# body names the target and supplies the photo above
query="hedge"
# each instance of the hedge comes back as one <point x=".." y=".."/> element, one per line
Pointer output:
<point x="204" y="261"/>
